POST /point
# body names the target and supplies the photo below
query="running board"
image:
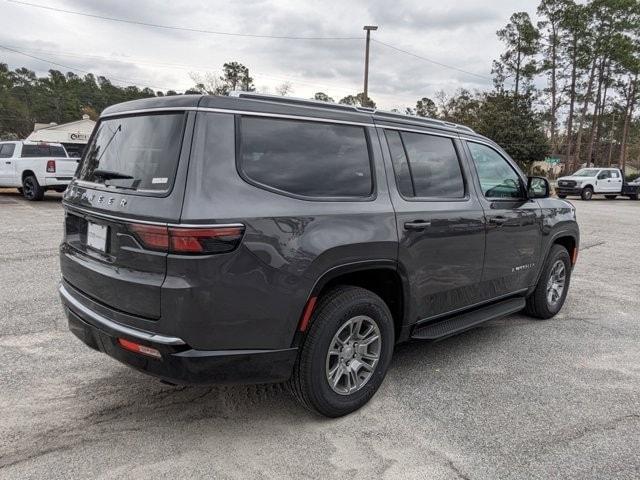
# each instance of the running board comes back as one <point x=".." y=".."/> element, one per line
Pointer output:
<point x="465" y="321"/>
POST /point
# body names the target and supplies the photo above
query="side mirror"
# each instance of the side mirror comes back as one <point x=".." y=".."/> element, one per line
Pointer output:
<point x="538" y="187"/>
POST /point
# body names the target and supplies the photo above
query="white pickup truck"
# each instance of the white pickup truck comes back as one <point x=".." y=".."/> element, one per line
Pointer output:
<point x="35" y="167"/>
<point x="586" y="182"/>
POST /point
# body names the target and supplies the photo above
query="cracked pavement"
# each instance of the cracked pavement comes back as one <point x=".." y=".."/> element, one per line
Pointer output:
<point x="515" y="398"/>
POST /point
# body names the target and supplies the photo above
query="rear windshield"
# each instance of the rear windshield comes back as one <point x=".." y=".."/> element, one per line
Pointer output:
<point x="135" y="153"/>
<point x="42" y="150"/>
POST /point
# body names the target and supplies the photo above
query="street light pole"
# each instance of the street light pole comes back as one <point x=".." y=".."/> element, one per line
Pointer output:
<point x="368" y="29"/>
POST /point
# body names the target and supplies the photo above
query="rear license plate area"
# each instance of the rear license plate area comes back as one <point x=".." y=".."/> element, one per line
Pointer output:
<point x="97" y="236"/>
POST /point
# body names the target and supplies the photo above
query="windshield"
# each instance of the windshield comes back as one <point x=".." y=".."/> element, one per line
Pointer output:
<point x="586" y="172"/>
<point x="135" y="153"/>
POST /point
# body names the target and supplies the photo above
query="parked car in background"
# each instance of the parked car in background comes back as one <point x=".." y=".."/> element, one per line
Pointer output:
<point x="35" y="167"/>
<point x="586" y="182"/>
<point x="264" y="239"/>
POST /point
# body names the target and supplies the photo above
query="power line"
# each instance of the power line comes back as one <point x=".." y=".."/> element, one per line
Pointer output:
<point x="123" y="81"/>
<point x="174" y="27"/>
<point x="450" y="67"/>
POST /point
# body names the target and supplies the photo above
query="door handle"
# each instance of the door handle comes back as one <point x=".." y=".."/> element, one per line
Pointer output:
<point x="498" y="220"/>
<point x="417" y="225"/>
<point x="8" y="163"/>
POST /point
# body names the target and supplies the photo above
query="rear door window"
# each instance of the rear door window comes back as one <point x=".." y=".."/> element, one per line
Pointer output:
<point x="6" y="150"/>
<point x="426" y="166"/>
<point x="138" y="153"/>
<point x="304" y="158"/>
<point x="42" y="150"/>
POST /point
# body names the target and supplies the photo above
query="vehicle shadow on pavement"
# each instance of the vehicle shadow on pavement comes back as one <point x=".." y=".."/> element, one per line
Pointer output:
<point x="140" y="398"/>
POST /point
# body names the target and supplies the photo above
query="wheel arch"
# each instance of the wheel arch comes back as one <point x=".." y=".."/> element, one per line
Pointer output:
<point x="26" y="173"/>
<point x="381" y="277"/>
<point x="566" y="238"/>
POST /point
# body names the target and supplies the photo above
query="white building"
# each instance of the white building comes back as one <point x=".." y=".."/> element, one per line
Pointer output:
<point x="74" y="135"/>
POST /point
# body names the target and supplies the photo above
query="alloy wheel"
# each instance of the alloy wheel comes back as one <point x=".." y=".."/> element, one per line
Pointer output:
<point x="556" y="283"/>
<point x="28" y="188"/>
<point x="353" y="355"/>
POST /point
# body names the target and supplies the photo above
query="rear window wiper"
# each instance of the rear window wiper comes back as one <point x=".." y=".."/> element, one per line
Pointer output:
<point x="111" y="175"/>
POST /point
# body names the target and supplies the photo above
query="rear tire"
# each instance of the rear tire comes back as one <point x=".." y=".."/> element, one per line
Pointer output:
<point x="587" y="193"/>
<point x="633" y="197"/>
<point x="547" y="299"/>
<point x="31" y="189"/>
<point x="331" y="345"/>
<point x="610" y="197"/>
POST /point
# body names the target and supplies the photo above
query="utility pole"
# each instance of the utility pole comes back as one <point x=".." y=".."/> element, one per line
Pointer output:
<point x="368" y="28"/>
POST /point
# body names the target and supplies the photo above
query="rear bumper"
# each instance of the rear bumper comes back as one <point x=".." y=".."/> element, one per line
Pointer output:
<point x="180" y="364"/>
<point x="59" y="181"/>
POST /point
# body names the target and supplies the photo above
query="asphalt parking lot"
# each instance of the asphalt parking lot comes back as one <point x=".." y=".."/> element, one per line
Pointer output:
<point x="516" y="398"/>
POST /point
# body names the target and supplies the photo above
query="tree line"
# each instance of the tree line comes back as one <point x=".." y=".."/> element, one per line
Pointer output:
<point x="565" y="85"/>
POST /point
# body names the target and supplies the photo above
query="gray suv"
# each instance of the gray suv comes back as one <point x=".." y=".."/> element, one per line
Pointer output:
<point x="264" y="239"/>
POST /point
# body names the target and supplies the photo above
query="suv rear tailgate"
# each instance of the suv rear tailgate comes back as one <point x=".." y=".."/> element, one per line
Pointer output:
<point x="101" y="256"/>
<point x="124" y="276"/>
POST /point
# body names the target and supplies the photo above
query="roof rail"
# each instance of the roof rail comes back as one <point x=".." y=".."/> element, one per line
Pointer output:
<point x="296" y="101"/>
<point x="425" y="120"/>
<point x="353" y="108"/>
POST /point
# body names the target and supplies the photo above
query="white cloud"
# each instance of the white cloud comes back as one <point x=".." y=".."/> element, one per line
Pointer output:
<point x="460" y="34"/>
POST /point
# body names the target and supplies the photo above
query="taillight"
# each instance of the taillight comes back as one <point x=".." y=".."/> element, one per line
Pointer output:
<point x="151" y="236"/>
<point x="51" y="166"/>
<point x="191" y="240"/>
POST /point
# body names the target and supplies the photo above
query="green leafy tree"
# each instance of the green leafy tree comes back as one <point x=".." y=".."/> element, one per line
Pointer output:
<point x="553" y="14"/>
<point x="425" y="107"/>
<point x="235" y="76"/>
<point x="358" y="100"/>
<point x="323" y="97"/>
<point x="518" y="61"/>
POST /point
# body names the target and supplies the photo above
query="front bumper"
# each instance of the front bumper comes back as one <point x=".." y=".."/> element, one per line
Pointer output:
<point x="568" y="190"/>
<point x="180" y="364"/>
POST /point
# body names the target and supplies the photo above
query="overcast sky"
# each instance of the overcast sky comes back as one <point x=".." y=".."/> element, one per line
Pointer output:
<point x="460" y="34"/>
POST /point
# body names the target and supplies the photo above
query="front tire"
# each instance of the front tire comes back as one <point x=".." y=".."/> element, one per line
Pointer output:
<point x="346" y="353"/>
<point x="551" y="291"/>
<point x="31" y="189"/>
<point x="587" y="193"/>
